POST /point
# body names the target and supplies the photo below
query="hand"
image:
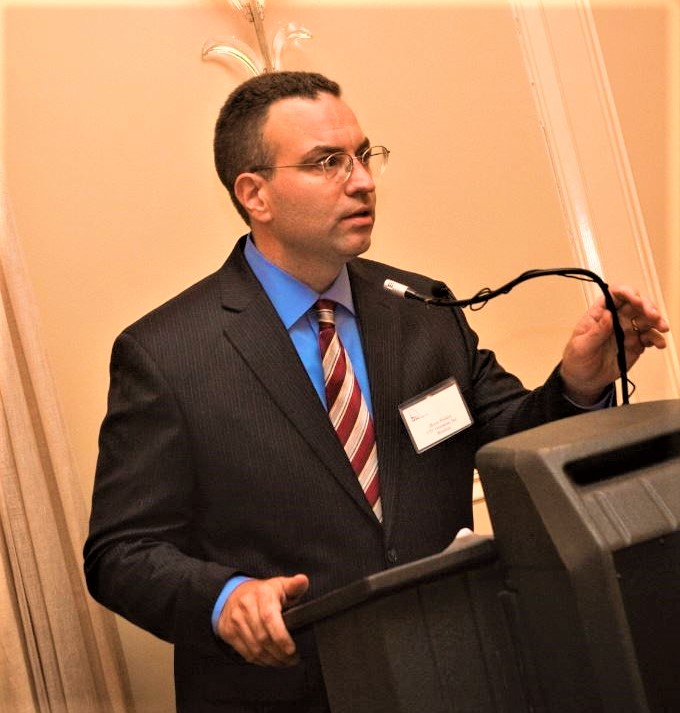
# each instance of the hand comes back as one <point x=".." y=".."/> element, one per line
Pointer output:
<point x="251" y="620"/>
<point x="589" y="361"/>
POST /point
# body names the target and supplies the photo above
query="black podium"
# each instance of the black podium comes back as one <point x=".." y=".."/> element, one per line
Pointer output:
<point x="573" y="607"/>
<point x="427" y="636"/>
<point x="586" y="515"/>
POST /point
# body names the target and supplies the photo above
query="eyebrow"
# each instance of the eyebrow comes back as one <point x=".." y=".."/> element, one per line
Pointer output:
<point x="328" y="150"/>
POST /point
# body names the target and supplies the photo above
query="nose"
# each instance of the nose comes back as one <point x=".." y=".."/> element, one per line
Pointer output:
<point x="360" y="179"/>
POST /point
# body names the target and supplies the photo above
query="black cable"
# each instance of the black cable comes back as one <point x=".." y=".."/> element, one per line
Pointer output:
<point x="577" y="273"/>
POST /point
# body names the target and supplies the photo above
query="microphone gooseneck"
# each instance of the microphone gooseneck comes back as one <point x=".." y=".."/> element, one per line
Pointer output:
<point x="441" y="297"/>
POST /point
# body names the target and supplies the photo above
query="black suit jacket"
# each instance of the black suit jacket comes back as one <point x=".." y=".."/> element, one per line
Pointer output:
<point x="217" y="457"/>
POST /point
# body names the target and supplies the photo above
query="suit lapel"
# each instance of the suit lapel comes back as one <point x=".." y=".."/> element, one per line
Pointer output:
<point x="254" y="329"/>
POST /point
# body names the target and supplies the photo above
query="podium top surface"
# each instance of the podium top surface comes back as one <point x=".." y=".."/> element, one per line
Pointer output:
<point x="590" y="433"/>
<point x="464" y="553"/>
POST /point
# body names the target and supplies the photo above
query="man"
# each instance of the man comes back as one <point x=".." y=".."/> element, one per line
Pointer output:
<point x="223" y="493"/>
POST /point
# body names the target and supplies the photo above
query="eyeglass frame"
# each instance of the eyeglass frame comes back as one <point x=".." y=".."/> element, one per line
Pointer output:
<point x="323" y="163"/>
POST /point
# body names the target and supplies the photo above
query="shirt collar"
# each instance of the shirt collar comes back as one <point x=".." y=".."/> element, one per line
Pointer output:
<point x="290" y="297"/>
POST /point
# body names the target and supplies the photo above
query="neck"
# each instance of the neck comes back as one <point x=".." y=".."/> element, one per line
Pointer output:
<point x="317" y="274"/>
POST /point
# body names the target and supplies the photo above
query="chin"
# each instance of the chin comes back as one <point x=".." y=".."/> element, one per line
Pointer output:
<point x="360" y="241"/>
<point x="360" y="248"/>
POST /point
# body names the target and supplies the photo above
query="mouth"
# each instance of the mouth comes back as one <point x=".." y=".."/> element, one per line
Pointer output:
<point x="363" y="216"/>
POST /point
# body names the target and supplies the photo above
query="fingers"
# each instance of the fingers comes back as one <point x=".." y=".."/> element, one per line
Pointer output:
<point x="652" y="338"/>
<point x="293" y="588"/>
<point x="251" y="620"/>
<point x="632" y="306"/>
<point x="590" y="362"/>
<point x="646" y="333"/>
<point x="646" y="328"/>
<point x="643" y="324"/>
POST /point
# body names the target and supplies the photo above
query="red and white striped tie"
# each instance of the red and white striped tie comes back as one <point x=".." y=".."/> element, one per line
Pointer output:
<point x="347" y="408"/>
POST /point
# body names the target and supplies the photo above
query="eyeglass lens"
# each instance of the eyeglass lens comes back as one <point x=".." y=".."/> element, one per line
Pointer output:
<point x="373" y="160"/>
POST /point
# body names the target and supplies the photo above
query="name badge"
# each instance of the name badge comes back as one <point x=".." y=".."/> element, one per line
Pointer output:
<point x="435" y="415"/>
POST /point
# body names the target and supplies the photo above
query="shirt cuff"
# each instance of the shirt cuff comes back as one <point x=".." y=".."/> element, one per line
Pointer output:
<point x="224" y="595"/>
<point x="607" y="401"/>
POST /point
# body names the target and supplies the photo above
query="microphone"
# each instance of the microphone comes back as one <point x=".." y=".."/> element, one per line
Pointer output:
<point x="396" y="288"/>
<point x="442" y="297"/>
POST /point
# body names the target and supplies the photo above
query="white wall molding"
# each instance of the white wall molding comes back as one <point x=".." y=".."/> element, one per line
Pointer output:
<point x="590" y="163"/>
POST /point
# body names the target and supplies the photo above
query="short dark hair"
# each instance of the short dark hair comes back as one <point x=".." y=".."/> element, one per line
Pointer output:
<point x="238" y="143"/>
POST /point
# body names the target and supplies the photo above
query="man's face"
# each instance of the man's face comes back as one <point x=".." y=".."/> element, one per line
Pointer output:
<point x="315" y="222"/>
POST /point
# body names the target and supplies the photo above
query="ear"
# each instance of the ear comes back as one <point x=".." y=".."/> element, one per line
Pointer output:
<point x="251" y="191"/>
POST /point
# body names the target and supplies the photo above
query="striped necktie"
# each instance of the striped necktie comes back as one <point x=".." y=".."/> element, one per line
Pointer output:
<point x="347" y="408"/>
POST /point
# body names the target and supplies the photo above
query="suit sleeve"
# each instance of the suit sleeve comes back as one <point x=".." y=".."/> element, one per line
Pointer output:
<point x="500" y="403"/>
<point x="139" y="560"/>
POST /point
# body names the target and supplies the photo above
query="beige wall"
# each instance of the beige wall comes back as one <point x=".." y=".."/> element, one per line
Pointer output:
<point x="641" y="45"/>
<point x="108" y="115"/>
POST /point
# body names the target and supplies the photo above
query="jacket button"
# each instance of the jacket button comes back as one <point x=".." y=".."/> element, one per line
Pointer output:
<point x="392" y="556"/>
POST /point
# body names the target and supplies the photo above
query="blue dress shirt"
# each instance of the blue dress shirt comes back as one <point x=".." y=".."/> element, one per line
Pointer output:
<point x="293" y="301"/>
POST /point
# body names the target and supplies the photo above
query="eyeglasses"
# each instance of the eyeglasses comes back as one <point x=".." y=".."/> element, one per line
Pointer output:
<point x="338" y="166"/>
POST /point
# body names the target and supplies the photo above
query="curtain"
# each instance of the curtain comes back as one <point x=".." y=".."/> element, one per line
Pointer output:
<point x="59" y="650"/>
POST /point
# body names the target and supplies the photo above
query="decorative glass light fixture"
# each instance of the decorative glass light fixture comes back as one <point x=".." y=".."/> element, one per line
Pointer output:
<point x="269" y="58"/>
